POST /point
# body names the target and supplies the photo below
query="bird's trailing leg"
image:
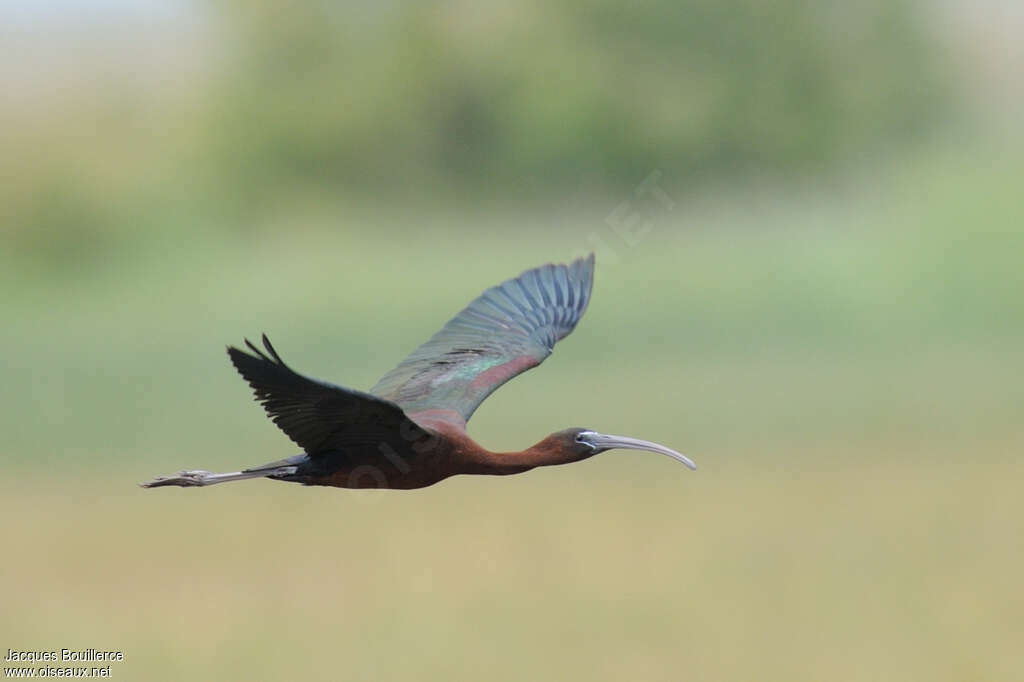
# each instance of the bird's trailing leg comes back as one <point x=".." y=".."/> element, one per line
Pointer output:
<point x="198" y="478"/>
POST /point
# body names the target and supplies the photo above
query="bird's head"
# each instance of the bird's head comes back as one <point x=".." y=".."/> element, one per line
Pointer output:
<point x="584" y="443"/>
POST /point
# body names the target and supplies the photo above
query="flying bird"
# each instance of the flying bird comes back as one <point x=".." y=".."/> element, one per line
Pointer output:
<point x="409" y="431"/>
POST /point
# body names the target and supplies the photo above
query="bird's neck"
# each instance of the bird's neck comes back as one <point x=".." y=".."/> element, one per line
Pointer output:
<point x="466" y="456"/>
<point x="548" y="452"/>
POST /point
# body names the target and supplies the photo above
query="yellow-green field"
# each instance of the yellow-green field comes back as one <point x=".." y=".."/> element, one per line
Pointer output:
<point x="872" y="565"/>
<point x="845" y="365"/>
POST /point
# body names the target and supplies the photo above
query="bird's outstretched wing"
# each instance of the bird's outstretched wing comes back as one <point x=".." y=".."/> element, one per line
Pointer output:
<point x="321" y="417"/>
<point x="506" y="331"/>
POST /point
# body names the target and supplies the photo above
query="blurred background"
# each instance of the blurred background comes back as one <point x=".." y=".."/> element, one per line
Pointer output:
<point x="809" y="231"/>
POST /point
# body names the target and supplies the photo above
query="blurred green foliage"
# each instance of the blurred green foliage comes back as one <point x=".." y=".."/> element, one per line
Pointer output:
<point x="526" y="97"/>
<point x="296" y="109"/>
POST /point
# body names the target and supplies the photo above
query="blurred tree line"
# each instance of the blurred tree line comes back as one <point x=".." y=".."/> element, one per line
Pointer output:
<point x="497" y="96"/>
<point x="496" y="99"/>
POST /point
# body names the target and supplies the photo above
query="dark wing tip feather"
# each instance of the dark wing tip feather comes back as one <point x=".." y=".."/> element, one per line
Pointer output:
<point x="255" y="350"/>
<point x="260" y="370"/>
<point x="260" y="354"/>
<point x="270" y="349"/>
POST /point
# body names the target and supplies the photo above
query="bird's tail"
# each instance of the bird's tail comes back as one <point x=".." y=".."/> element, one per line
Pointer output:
<point x="199" y="478"/>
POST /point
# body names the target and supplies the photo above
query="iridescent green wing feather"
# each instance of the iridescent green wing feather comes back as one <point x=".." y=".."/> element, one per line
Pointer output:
<point x="506" y="331"/>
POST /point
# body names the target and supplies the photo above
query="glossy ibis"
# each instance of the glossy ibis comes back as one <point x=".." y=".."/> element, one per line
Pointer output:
<point x="409" y="431"/>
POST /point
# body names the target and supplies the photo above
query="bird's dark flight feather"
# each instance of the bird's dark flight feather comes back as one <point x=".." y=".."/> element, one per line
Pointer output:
<point x="507" y="330"/>
<point x="321" y="417"/>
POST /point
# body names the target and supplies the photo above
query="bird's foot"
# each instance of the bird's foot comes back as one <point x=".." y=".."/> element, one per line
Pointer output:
<point x="185" y="479"/>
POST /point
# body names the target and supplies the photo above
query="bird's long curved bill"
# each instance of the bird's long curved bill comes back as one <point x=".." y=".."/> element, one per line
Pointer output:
<point x="607" y="442"/>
